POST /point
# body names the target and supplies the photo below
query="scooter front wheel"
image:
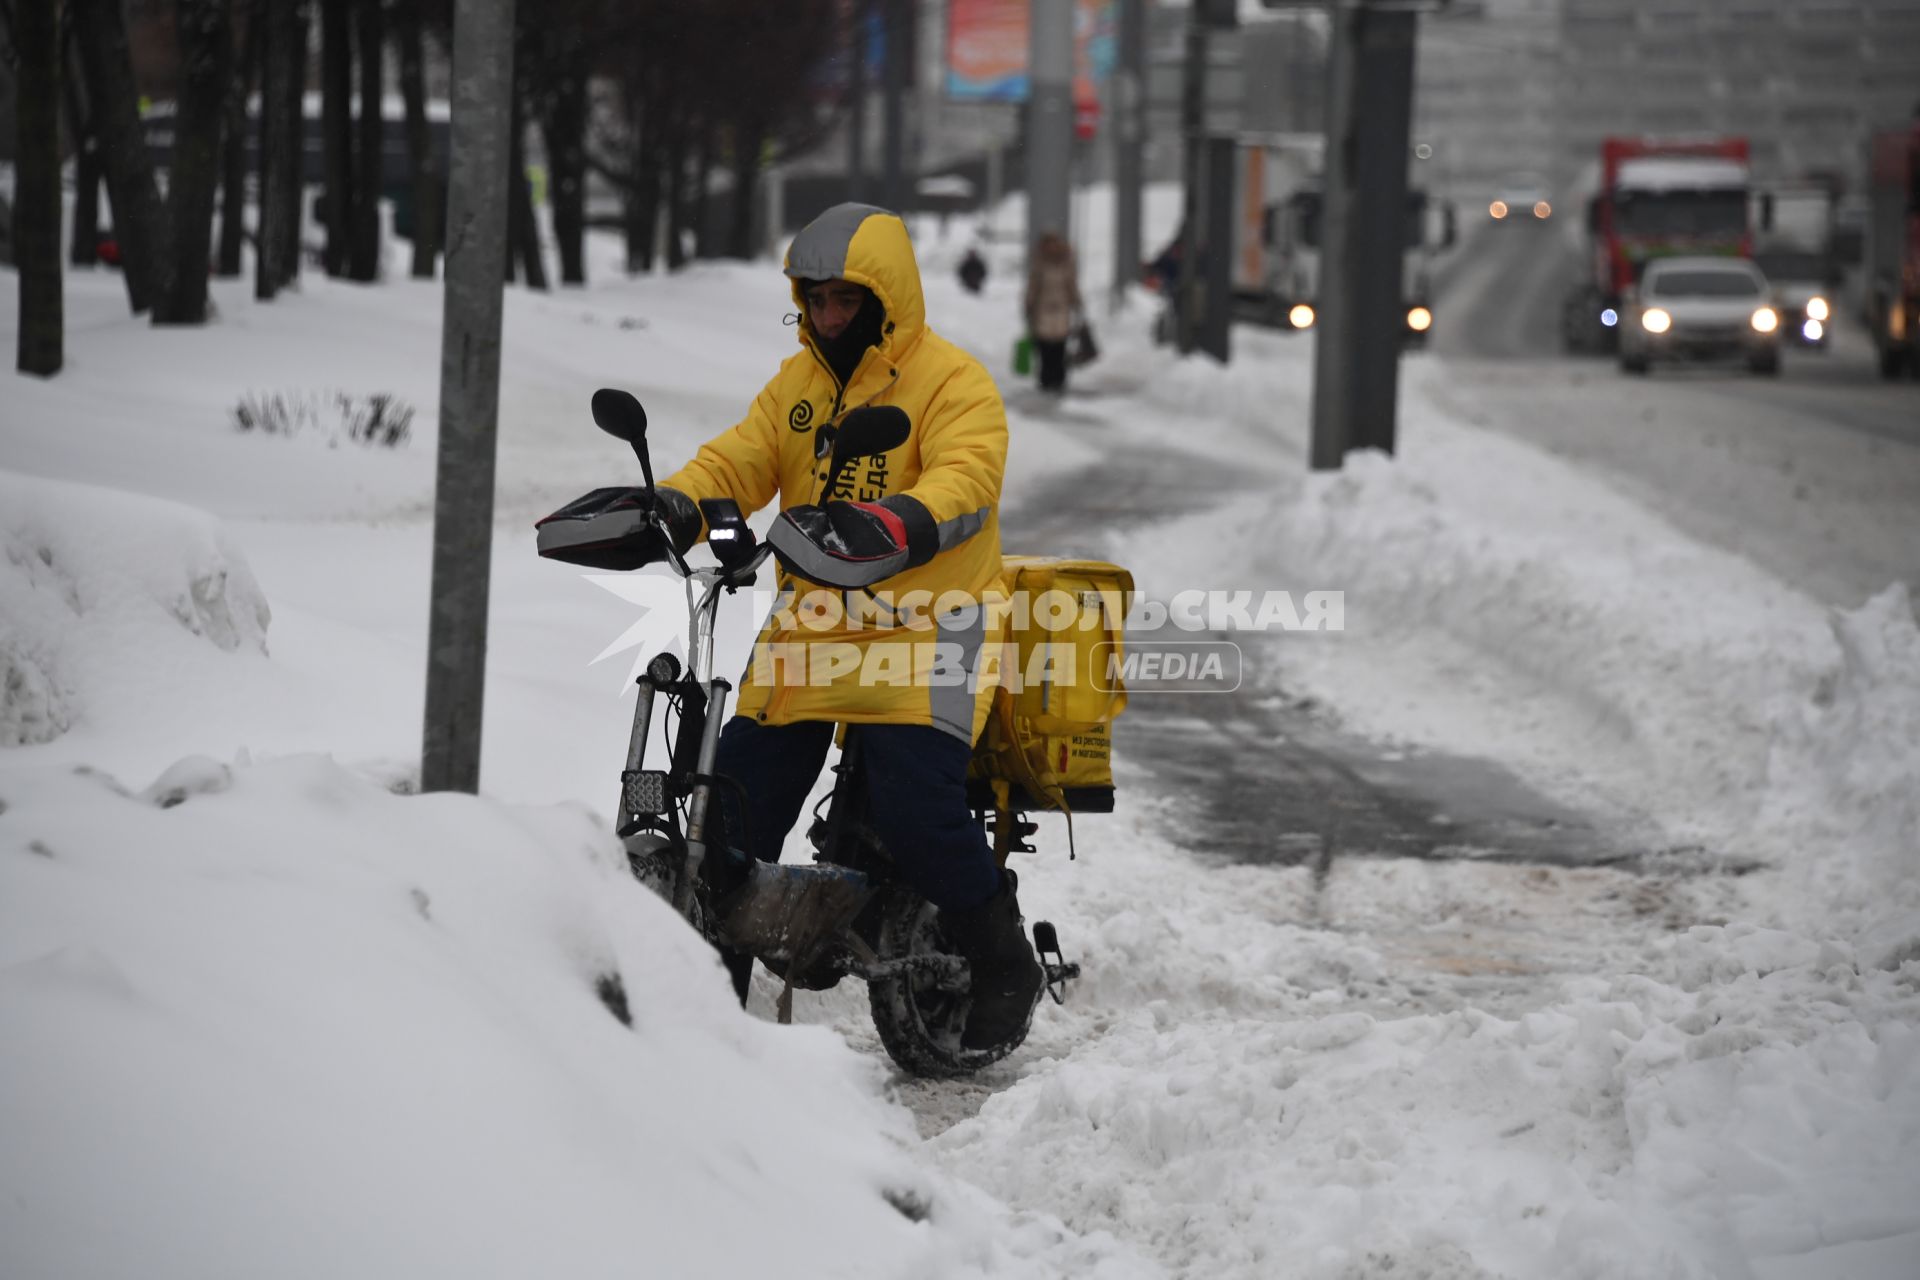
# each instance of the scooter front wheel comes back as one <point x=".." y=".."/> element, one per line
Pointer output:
<point x="659" y="864"/>
<point x="920" y="1017"/>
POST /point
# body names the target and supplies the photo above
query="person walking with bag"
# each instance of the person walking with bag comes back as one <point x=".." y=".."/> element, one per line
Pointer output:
<point x="1052" y="306"/>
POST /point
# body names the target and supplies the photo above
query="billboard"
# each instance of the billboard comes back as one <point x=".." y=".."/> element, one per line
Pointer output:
<point x="987" y="49"/>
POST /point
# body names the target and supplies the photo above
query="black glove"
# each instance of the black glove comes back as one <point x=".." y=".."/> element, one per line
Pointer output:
<point x="854" y="544"/>
<point x="683" y="517"/>
<point x="613" y="529"/>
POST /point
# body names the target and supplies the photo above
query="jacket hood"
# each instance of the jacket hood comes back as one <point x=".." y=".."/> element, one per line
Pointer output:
<point x="869" y="246"/>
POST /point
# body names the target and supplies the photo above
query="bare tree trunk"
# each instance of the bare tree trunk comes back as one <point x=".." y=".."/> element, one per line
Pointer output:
<point x="697" y="202"/>
<point x="676" y="164"/>
<point x="139" y="219"/>
<point x="523" y="234"/>
<point x="336" y="87"/>
<point x="206" y="56"/>
<point x="421" y="161"/>
<point x="36" y="213"/>
<point x="233" y="177"/>
<point x="747" y="142"/>
<point x="278" y="166"/>
<point x="293" y="123"/>
<point x="84" y="247"/>
<point x="643" y="196"/>
<point x="370" y="146"/>
<point x="565" y="130"/>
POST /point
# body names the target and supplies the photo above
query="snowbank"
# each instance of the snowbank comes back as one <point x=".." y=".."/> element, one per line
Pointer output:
<point x="1500" y="603"/>
<point x="101" y="590"/>
<point x="1844" y="775"/>
<point x="274" y="1020"/>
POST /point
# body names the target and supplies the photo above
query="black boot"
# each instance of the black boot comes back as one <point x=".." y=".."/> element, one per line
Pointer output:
<point x="1006" y="978"/>
<point x="739" y="966"/>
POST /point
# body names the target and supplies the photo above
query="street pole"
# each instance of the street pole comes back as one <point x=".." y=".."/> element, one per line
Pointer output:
<point x="1129" y="143"/>
<point x="1333" y="325"/>
<point x="1193" y="90"/>
<point x="1383" y="119"/>
<point x="1363" y="228"/>
<point x="893" y="142"/>
<point x="1202" y="310"/>
<point x="1049" y="119"/>
<point x="1216" y="317"/>
<point x="482" y="86"/>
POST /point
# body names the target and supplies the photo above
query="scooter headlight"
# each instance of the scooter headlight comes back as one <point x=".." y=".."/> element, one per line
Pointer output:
<point x="1419" y="319"/>
<point x="1301" y="316"/>
<point x="1817" y="309"/>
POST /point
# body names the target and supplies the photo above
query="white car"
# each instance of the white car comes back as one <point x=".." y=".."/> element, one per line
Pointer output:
<point x="1802" y="284"/>
<point x="1700" y="309"/>
<point x="1521" y="198"/>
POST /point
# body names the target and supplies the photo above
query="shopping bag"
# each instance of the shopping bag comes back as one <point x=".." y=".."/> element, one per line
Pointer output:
<point x="1023" y="355"/>
<point x="1085" y="349"/>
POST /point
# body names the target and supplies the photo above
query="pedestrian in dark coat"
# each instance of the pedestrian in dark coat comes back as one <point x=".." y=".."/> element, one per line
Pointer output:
<point x="1052" y="306"/>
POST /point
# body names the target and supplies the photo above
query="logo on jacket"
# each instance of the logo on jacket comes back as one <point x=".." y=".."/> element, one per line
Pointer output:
<point x="864" y="480"/>
<point x="800" y="417"/>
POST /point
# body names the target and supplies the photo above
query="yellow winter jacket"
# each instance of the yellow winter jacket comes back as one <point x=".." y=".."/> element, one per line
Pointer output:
<point x="860" y="657"/>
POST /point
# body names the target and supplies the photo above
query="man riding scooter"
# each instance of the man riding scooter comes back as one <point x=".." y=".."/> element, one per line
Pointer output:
<point x="921" y="521"/>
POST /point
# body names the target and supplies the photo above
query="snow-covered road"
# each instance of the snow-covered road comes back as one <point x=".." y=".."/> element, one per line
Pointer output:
<point x="1813" y="475"/>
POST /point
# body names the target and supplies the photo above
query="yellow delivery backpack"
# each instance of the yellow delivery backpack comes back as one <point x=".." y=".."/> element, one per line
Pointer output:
<point x="1048" y="742"/>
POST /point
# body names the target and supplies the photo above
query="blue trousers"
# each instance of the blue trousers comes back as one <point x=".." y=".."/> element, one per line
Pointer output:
<point x="916" y="781"/>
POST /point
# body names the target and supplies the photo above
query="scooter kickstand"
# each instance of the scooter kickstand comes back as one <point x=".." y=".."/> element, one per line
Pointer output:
<point x="1046" y="942"/>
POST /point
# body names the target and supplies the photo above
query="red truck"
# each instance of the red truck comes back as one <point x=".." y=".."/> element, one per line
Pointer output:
<point x="1656" y="198"/>
<point x="1893" y="248"/>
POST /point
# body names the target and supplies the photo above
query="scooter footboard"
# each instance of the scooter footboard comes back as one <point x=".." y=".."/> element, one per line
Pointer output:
<point x="785" y="912"/>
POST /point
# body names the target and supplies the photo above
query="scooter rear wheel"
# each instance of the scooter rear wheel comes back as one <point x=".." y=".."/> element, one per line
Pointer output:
<point x="920" y="1021"/>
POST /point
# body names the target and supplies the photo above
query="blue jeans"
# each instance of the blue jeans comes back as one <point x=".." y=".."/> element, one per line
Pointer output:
<point x="917" y="787"/>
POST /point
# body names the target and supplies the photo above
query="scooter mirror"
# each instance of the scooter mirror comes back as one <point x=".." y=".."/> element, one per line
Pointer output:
<point x="864" y="432"/>
<point x="871" y="429"/>
<point x="618" y="414"/>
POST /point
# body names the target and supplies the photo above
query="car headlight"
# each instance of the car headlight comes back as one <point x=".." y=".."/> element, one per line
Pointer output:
<point x="1419" y="319"/>
<point x="1541" y="209"/>
<point x="1301" y="317"/>
<point x="1654" y="320"/>
<point x="1816" y="308"/>
<point x="1498" y="208"/>
<point x="1765" y="320"/>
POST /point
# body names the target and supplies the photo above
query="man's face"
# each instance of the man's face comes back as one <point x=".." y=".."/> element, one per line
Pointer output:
<point x="832" y="305"/>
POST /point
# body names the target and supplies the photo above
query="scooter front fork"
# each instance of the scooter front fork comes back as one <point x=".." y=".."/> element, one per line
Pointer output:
<point x="702" y="796"/>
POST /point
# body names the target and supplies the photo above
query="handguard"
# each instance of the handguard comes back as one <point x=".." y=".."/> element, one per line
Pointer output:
<point x="613" y="528"/>
<point x="850" y="545"/>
